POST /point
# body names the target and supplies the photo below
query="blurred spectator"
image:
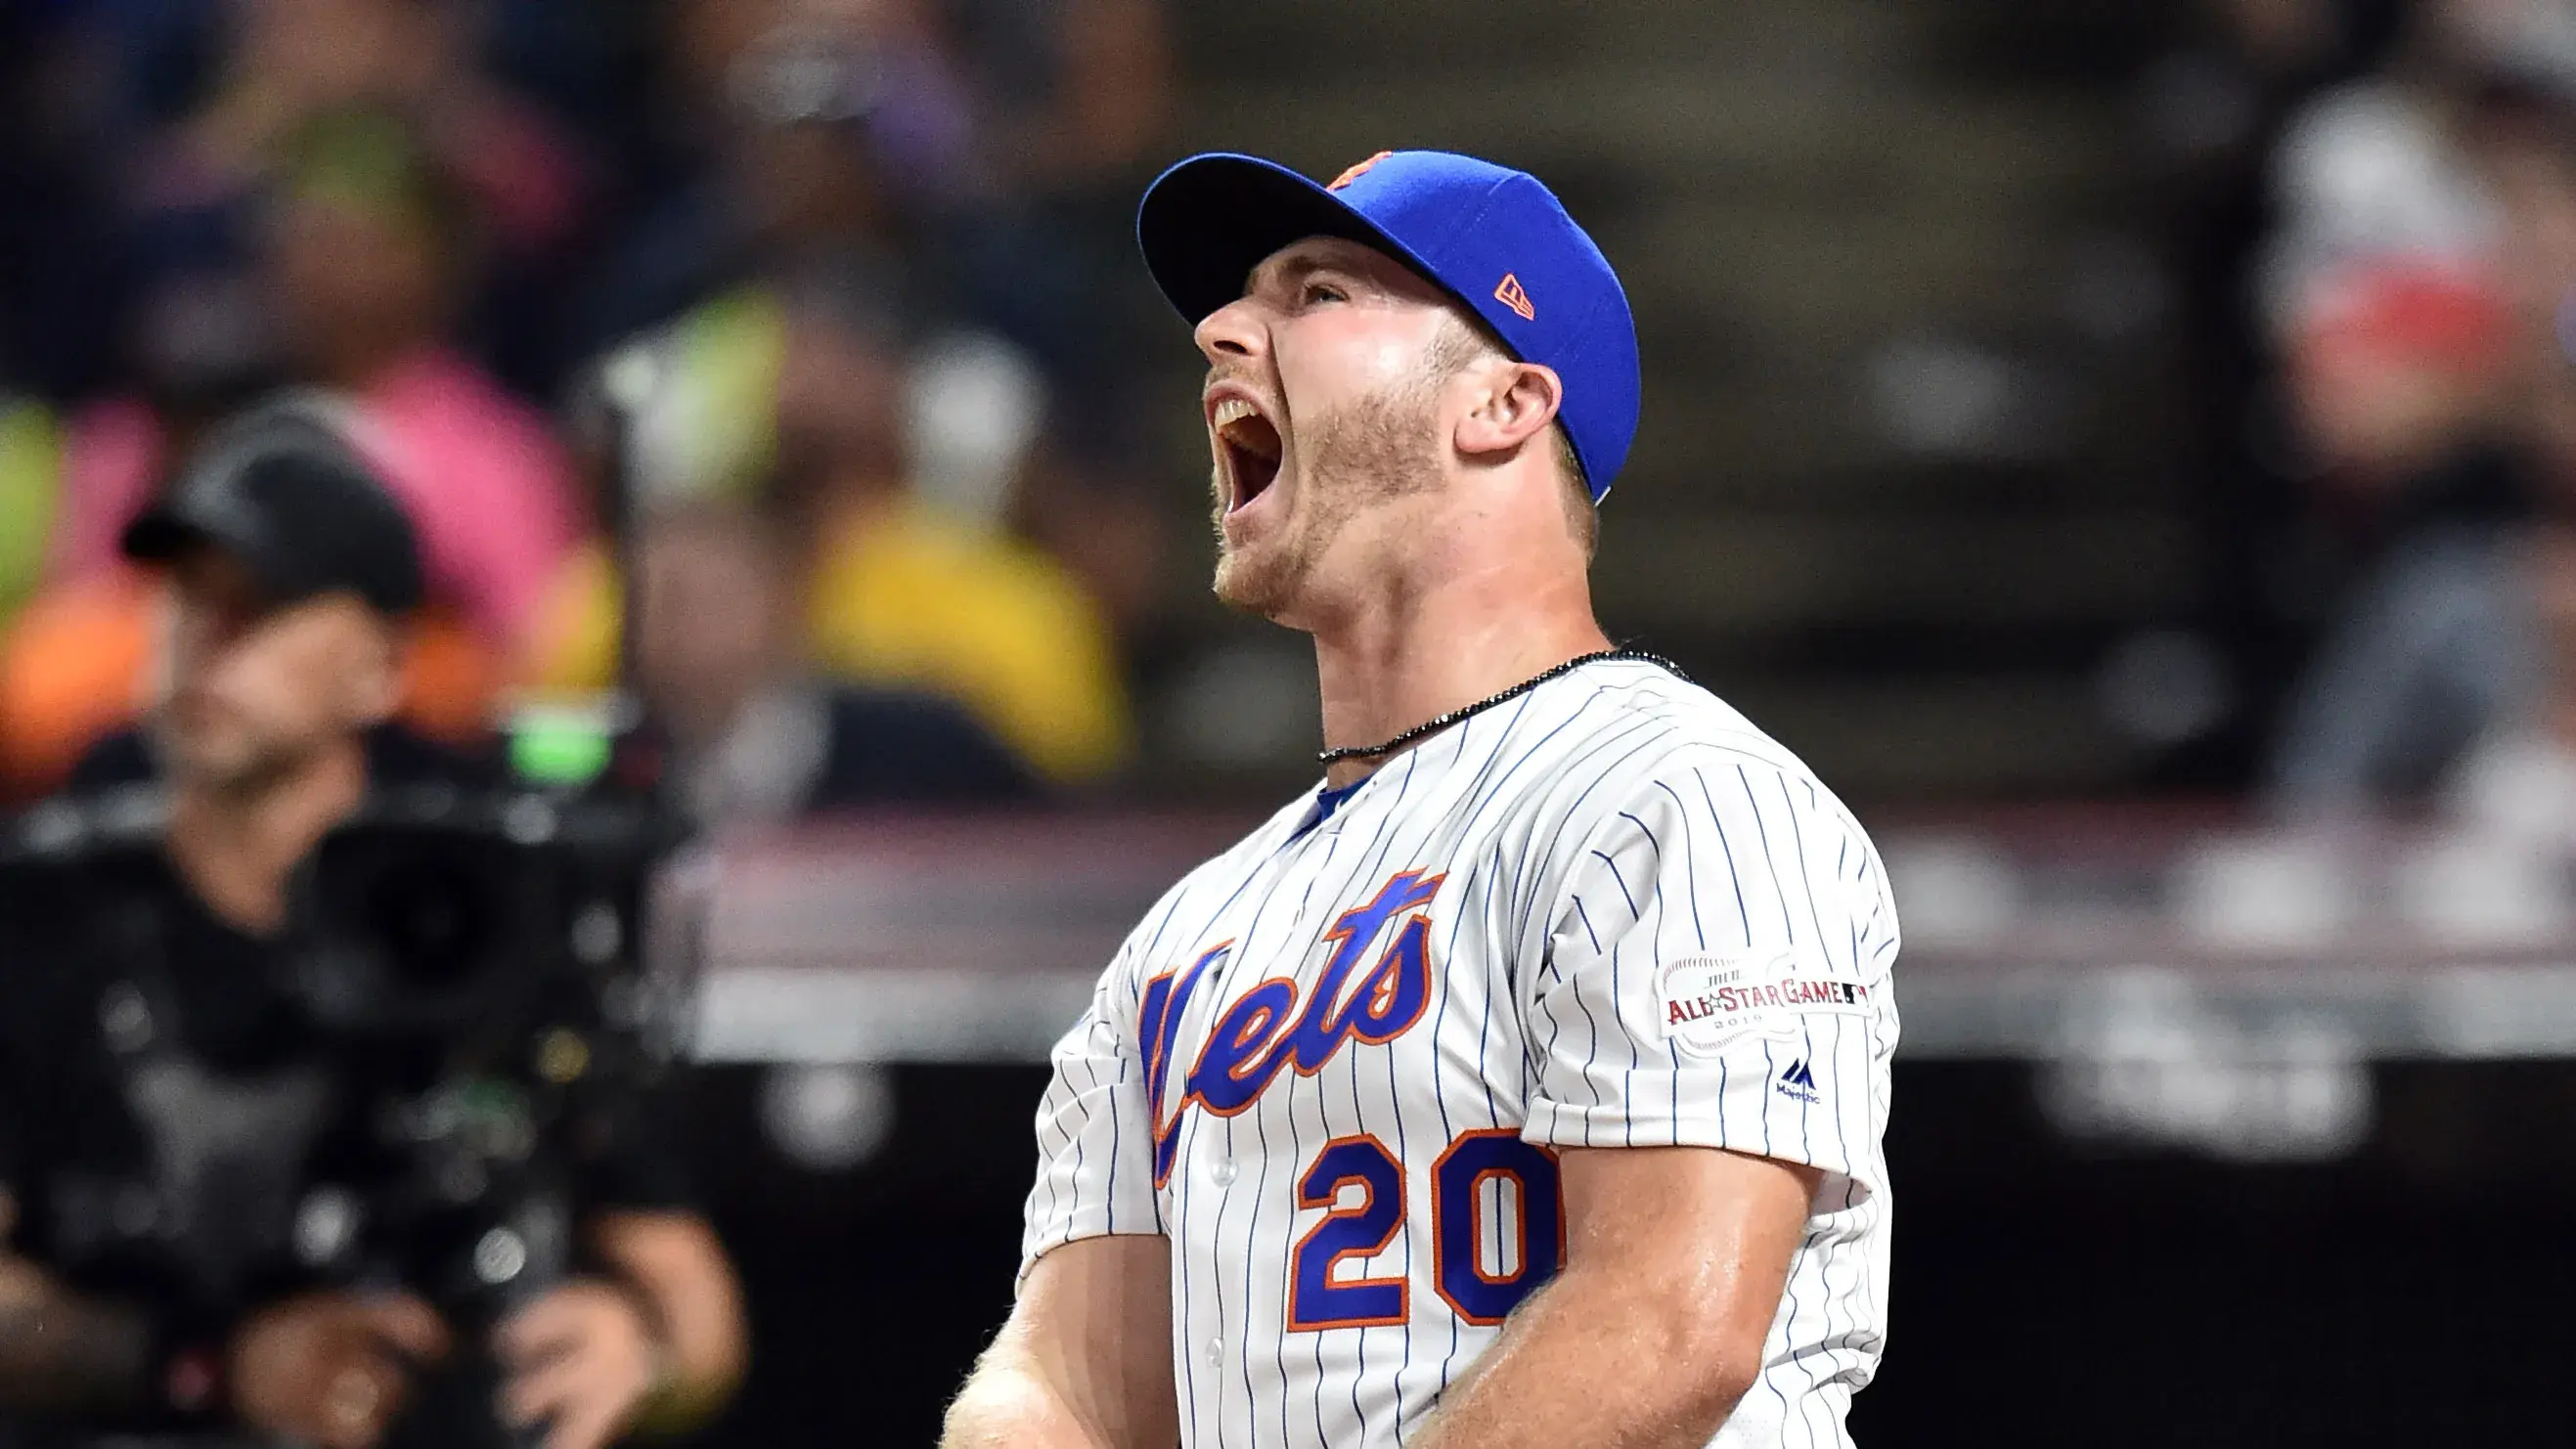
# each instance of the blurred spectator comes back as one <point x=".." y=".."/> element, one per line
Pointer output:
<point x="862" y="143"/>
<point x="2432" y="653"/>
<point x="287" y="62"/>
<point x="2379" y="168"/>
<point x="981" y="439"/>
<point x="364" y="264"/>
<point x="897" y="593"/>
<point x="216" y="94"/>
<point x="757" y="738"/>
<point x="56" y="218"/>
<point x="2439" y="400"/>
<point x="2518" y="787"/>
<point x="1083" y="501"/>
<point x="801" y="149"/>
<point x="2209" y="112"/>
<point x="76" y="665"/>
<point x="968" y="142"/>
<point x="322" y="192"/>
<point x="2393" y="369"/>
<point x="2403" y="387"/>
<point x="902" y="593"/>
<point x="1072" y="97"/>
<point x="2366" y="173"/>
<point x="793" y="142"/>
<point x="1077" y="90"/>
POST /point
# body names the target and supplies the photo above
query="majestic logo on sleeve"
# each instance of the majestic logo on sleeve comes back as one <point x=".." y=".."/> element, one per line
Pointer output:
<point x="1798" y="1083"/>
<point x="1265" y="1031"/>
<point x="1708" y="1002"/>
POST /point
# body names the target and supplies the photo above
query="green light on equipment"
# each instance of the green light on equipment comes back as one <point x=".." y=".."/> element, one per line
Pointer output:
<point x="562" y="746"/>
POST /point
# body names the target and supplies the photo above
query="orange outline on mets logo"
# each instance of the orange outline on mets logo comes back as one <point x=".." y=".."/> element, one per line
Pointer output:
<point x="1267" y="1029"/>
<point x="1509" y="292"/>
<point x="1355" y="171"/>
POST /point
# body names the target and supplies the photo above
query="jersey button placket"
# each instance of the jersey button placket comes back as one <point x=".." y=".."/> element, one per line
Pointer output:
<point x="1222" y="1172"/>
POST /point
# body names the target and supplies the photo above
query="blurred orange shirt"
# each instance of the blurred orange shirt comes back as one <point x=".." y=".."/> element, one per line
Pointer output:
<point x="76" y="664"/>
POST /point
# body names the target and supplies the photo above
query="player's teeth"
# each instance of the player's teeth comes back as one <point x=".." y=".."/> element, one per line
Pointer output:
<point x="1232" y="410"/>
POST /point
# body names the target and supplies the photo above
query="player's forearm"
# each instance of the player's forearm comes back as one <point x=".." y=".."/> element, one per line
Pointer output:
<point x="1589" y="1362"/>
<point x="1086" y="1359"/>
<point x="1006" y="1406"/>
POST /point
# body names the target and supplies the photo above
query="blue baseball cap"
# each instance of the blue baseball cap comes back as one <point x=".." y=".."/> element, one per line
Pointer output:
<point x="1492" y="237"/>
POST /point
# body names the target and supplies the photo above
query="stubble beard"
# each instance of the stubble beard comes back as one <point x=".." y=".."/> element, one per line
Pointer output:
<point x="1350" y="462"/>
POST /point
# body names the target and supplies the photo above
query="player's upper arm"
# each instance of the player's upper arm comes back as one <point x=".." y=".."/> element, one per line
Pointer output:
<point x="1697" y="1244"/>
<point x="1715" y="973"/>
<point x="1086" y="1359"/>
<point x="1095" y="1132"/>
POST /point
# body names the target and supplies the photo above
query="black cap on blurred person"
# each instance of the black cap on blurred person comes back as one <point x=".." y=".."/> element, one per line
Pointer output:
<point x="283" y="490"/>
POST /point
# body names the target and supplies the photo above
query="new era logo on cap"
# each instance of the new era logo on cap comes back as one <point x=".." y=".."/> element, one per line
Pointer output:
<point x="1498" y="242"/>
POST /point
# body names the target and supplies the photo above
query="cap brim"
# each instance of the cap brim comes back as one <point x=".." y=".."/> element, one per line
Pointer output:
<point x="164" y="535"/>
<point x="159" y="537"/>
<point x="1207" y="222"/>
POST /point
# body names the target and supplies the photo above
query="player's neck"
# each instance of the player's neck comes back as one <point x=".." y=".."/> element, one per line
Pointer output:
<point x="1417" y="655"/>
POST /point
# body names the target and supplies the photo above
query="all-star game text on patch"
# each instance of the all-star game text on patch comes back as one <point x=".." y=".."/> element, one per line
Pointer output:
<point x="1708" y="1002"/>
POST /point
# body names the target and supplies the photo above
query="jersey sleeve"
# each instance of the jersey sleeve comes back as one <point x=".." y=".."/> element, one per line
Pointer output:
<point x="1715" y="972"/>
<point x="1095" y="1127"/>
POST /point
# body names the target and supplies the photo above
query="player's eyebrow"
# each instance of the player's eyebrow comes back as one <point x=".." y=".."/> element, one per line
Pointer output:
<point x="1289" y="271"/>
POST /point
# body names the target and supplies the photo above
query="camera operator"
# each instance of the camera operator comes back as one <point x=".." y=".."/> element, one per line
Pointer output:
<point x="289" y="571"/>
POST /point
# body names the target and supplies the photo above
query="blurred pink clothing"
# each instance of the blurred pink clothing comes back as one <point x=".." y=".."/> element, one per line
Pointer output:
<point x="488" y="486"/>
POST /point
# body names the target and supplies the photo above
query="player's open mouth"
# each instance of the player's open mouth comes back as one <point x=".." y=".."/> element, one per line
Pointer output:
<point x="1250" y="446"/>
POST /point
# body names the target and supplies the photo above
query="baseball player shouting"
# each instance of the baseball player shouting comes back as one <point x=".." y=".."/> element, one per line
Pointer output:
<point x="1524" y="1084"/>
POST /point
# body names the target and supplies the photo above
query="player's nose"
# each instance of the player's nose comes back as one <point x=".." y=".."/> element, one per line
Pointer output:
<point x="1232" y="332"/>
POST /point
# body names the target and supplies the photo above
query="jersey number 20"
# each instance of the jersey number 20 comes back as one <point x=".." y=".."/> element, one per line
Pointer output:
<point x="1497" y="1227"/>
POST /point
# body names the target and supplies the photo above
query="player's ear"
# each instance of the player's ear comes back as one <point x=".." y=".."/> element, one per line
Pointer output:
<point x="1515" y="403"/>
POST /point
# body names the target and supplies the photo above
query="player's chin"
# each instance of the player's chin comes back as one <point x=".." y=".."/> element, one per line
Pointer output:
<point x="1257" y="553"/>
<point x="1259" y="578"/>
<point x="1242" y="582"/>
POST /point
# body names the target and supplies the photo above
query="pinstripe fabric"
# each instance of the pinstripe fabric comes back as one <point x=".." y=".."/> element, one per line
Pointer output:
<point x="1606" y="826"/>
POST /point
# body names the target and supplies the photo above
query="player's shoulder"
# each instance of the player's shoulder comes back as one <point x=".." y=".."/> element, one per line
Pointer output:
<point x="1203" y="893"/>
<point x="1642" y="731"/>
<point x="1637" y="716"/>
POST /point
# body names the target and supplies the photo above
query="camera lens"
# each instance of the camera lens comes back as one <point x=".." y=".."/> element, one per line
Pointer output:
<point x="433" y="919"/>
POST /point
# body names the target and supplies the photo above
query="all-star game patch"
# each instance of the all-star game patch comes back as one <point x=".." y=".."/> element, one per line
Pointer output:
<point x="1708" y="1002"/>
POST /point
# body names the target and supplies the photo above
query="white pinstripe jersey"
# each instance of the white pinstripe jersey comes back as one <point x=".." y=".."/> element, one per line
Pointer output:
<point x="1332" y="1066"/>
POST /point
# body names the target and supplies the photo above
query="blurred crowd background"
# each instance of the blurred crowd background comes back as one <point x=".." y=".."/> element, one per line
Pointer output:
<point x="2166" y="407"/>
<point x="851" y="269"/>
<point x="2088" y="398"/>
